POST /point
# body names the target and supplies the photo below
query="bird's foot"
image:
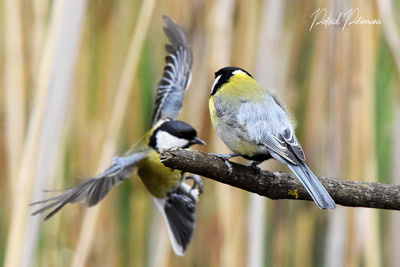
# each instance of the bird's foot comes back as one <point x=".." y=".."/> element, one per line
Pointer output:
<point x="256" y="169"/>
<point x="225" y="158"/>
<point x="197" y="182"/>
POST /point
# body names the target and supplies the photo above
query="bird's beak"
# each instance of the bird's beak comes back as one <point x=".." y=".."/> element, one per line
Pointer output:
<point x="198" y="141"/>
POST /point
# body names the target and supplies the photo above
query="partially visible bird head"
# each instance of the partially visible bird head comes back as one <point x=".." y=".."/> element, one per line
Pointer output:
<point x="170" y="134"/>
<point x="223" y="75"/>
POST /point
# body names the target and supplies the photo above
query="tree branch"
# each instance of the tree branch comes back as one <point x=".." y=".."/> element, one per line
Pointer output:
<point x="277" y="185"/>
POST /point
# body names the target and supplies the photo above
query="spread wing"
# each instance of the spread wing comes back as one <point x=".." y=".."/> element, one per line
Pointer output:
<point x="95" y="189"/>
<point x="176" y="75"/>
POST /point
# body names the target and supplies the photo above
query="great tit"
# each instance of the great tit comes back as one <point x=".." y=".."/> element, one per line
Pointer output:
<point x="175" y="199"/>
<point x="255" y="125"/>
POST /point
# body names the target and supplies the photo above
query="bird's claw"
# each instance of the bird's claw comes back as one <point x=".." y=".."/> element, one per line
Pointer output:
<point x="225" y="158"/>
<point x="256" y="169"/>
<point x="197" y="182"/>
<point x="228" y="166"/>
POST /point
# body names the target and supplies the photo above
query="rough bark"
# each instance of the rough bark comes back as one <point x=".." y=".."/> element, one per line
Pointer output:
<point x="278" y="185"/>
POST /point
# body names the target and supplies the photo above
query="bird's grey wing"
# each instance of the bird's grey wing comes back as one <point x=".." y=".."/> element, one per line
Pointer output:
<point x="176" y="76"/>
<point x="268" y="124"/>
<point x="292" y="142"/>
<point x="91" y="191"/>
<point x="285" y="144"/>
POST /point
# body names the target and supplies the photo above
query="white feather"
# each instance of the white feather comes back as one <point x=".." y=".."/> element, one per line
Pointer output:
<point x="215" y="82"/>
<point x="238" y="72"/>
<point x="194" y="192"/>
<point x="166" y="141"/>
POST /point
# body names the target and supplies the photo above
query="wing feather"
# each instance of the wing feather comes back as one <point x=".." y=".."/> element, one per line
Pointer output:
<point x="278" y="135"/>
<point x="176" y="76"/>
<point x="265" y="123"/>
<point x="292" y="142"/>
<point x="93" y="190"/>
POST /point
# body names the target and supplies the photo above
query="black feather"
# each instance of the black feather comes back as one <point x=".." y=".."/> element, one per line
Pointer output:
<point x="180" y="212"/>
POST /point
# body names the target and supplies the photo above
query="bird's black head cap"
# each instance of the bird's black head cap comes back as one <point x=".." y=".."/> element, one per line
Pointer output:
<point x="223" y="75"/>
<point x="176" y="128"/>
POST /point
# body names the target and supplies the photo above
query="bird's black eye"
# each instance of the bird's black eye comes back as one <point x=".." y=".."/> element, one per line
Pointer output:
<point x="153" y="139"/>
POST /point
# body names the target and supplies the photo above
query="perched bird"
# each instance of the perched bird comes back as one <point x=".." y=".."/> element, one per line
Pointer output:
<point x="175" y="199"/>
<point x="254" y="124"/>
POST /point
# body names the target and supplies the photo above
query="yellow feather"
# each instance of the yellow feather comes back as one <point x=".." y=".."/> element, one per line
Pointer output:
<point x="213" y="115"/>
<point x="241" y="86"/>
<point x="156" y="177"/>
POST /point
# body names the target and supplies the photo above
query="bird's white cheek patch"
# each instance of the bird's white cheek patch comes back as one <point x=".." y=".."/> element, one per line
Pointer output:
<point x="215" y="82"/>
<point x="167" y="141"/>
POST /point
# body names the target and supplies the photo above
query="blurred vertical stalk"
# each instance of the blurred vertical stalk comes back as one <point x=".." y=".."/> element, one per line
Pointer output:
<point x="14" y="87"/>
<point x="392" y="33"/>
<point x="121" y="102"/>
<point x="159" y="242"/>
<point x="269" y="63"/>
<point x="246" y="33"/>
<point x="256" y="230"/>
<point x="220" y="21"/>
<point x="337" y="86"/>
<point x="362" y="146"/>
<point x="39" y="28"/>
<point x="270" y="58"/>
<point x="53" y="79"/>
<point x="395" y="216"/>
<point x="59" y="94"/>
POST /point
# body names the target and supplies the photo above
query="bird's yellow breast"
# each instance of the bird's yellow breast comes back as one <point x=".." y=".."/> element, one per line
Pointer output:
<point x="239" y="89"/>
<point x="243" y="87"/>
<point x="158" y="179"/>
<point x="213" y="115"/>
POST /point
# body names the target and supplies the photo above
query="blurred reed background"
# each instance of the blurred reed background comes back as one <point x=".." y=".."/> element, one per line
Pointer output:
<point x="78" y="81"/>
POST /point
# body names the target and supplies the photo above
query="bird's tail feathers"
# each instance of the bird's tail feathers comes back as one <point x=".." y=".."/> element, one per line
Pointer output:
<point x="314" y="187"/>
<point x="178" y="210"/>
